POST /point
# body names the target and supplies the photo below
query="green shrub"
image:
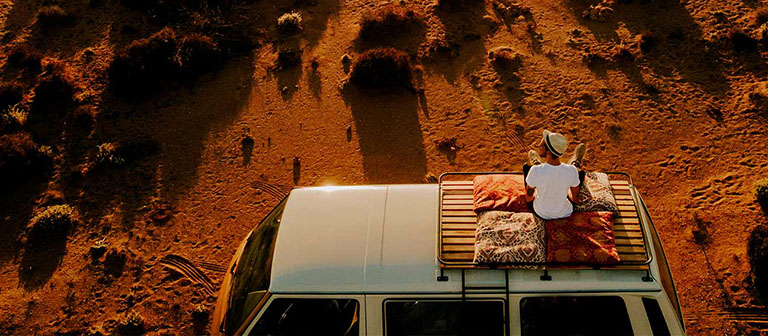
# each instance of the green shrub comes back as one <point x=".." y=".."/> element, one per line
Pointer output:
<point x="382" y="67"/>
<point x="761" y="192"/>
<point x="53" y="221"/>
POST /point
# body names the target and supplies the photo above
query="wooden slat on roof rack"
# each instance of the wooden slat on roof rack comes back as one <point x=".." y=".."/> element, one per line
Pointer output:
<point x="459" y="222"/>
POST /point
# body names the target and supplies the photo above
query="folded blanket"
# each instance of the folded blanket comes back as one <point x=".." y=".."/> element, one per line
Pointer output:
<point x="506" y="237"/>
<point x="595" y="194"/>
<point x="584" y="237"/>
<point x="499" y="192"/>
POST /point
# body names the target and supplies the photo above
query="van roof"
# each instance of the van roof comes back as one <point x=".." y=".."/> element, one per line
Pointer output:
<point x="383" y="239"/>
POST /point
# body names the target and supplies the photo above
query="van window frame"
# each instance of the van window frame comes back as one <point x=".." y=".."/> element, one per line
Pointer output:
<point x="360" y="298"/>
<point x="519" y="302"/>
<point x="506" y="312"/>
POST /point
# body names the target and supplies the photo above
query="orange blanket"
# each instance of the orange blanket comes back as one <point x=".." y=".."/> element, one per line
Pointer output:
<point x="500" y="192"/>
<point x="584" y="237"/>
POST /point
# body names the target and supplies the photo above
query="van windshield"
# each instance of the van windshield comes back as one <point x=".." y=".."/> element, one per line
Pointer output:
<point x="252" y="271"/>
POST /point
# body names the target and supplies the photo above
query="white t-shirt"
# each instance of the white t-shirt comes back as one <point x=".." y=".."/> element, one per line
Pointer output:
<point x="552" y="184"/>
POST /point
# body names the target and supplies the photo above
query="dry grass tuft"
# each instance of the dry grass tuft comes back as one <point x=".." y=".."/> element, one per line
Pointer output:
<point x="382" y="67"/>
<point x="388" y="21"/>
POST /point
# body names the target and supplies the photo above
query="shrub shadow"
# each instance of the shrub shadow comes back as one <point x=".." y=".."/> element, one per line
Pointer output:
<point x="681" y="47"/>
<point x="171" y="131"/>
<point x="42" y="256"/>
<point x="389" y="134"/>
<point x="463" y="50"/>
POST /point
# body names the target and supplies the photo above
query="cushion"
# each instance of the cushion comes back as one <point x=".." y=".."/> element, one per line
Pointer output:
<point x="595" y="194"/>
<point x="500" y="192"/>
<point x="507" y="237"/>
<point x="584" y="237"/>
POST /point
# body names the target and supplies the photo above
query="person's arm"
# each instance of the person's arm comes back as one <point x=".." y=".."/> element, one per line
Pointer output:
<point x="575" y="187"/>
<point x="575" y="194"/>
<point x="530" y="184"/>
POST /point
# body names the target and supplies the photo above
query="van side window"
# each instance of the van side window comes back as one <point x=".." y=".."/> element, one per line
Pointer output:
<point x="444" y="317"/>
<point x="309" y="317"/>
<point x="574" y="315"/>
<point x="655" y="317"/>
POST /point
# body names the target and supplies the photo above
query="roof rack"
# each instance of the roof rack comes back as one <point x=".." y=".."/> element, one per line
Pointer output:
<point x="457" y="224"/>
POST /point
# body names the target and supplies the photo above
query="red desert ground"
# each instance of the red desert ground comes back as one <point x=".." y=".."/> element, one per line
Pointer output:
<point x="141" y="141"/>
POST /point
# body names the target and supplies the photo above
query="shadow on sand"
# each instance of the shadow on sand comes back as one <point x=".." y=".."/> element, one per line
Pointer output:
<point x="389" y="133"/>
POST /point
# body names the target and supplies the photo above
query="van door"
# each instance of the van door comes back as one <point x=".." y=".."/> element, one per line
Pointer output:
<point x="310" y="315"/>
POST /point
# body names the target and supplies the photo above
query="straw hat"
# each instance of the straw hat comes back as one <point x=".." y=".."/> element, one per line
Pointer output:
<point x="555" y="142"/>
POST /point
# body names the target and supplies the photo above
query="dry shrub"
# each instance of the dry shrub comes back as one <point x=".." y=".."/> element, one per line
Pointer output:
<point x="107" y="154"/>
<point x="740" y="40"/>
<point x="382" y="67"/>
<point x="147" y="63"/>
<point x="20" y="158"/>
<point x="132" y="323"/>
<point x="762" y="33"/>
<point x="53" y="221"/>
<point x="598" y="12"/>
<point x="700" y="229"/>
<point x="757" y="250"/>
<point x="55" y="86"/>
<point x="505" y="58"/>
<point x="25" y="57"/>
<point x="10" y="94"/>
<point x="144" y="63"/>
<point x="52" y="16"/>
<point x="289" y="23"/>
<point x="388" y="21"/>
<point x="761" y="192"/>
<point x="197" y="55"/>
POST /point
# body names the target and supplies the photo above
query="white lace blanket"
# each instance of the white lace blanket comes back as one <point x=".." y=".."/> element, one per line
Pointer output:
<point x="507" y="237"/>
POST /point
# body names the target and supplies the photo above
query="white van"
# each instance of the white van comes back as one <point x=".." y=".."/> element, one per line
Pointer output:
<point x="397" y="260"/>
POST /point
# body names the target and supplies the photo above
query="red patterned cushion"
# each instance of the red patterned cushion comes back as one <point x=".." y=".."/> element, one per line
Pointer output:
<point x="584" y="237"/>
<point x="500" y="192"/>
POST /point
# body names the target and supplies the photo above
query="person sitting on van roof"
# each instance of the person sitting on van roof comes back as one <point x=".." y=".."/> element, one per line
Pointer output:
<point x="551" y="180"/>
